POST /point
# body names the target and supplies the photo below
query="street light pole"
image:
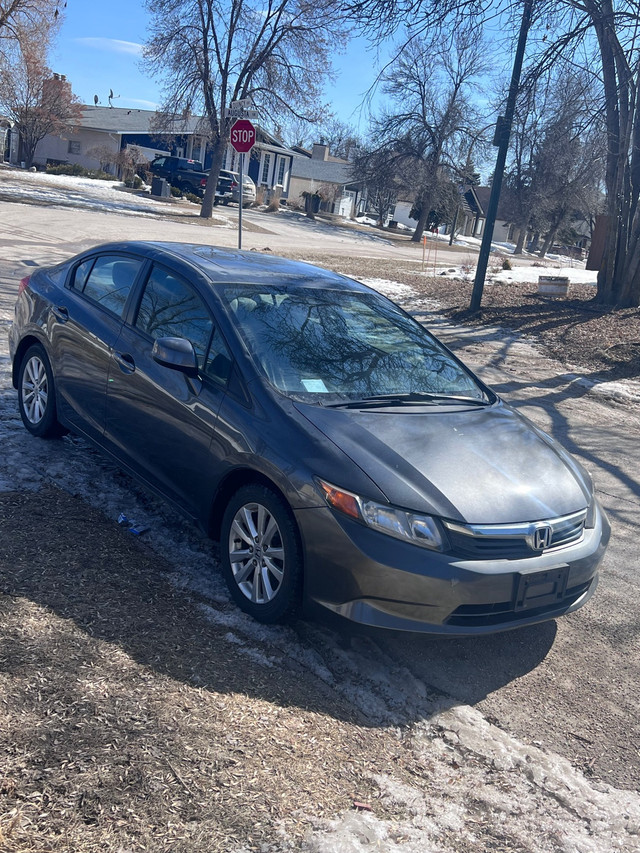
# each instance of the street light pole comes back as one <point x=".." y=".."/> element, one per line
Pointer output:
<point x="503" y="131"/>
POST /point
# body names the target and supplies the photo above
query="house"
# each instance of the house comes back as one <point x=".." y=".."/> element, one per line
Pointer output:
<point x="477" y="199"/>
<point x="471" y="217"/>
<point x="318" y="173"/>
<point x="111" y="129"/>
<point x="269" y="164"/>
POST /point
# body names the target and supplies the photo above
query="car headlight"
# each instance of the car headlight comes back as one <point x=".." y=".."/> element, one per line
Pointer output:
<point x="411" y="527"/>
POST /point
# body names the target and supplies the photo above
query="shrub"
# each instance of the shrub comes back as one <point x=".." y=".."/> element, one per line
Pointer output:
<point x="175" y="192"/>
<point x="274" y="202"/>
<point x="506" y="264"/>
<point x="193" y="198"/>
<point x="78" y="171"/>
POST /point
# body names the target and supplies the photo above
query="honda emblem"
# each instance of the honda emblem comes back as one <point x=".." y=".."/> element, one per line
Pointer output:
<point x="542" y="537"/>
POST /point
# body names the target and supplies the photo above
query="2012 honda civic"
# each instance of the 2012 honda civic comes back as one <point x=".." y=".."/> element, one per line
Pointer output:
<point x="340" y="454"/>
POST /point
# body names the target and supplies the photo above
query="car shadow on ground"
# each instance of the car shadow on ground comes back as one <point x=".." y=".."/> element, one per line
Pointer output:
<point x="71" y="560"/>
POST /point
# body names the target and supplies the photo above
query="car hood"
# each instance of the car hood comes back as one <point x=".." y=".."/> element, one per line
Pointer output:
<point x="482" y="466"/>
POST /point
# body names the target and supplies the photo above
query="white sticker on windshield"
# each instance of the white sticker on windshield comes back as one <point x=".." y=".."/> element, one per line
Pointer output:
<point x="315" y="385"/>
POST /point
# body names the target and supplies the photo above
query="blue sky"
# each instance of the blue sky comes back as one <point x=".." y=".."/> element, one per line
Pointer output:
<point x="98" y="49"/>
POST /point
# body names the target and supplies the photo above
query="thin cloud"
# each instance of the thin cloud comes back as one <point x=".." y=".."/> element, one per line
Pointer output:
<point x="113" y="45"/>
<point x="137" y="102"/>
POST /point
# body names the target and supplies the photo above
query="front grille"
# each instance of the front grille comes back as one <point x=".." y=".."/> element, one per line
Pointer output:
<point x="488" y="548"/>
<point x="512" y="541"/>
<point x="477" y="615"/>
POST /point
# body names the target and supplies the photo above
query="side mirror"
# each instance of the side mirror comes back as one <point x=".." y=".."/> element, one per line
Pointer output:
<point x="177" y="354"/>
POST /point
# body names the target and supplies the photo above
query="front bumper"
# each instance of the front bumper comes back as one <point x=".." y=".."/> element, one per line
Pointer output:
<point x="373" y="579"/>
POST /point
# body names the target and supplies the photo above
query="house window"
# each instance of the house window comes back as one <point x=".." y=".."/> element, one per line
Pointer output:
<point x="282" y="165"/>
<point x="74" y="147"/>
<point x="231" y="159"/>
<point x="264" y="175"/>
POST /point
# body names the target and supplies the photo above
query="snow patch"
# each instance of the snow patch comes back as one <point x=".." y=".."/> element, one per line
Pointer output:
<point x="392" y="289"/>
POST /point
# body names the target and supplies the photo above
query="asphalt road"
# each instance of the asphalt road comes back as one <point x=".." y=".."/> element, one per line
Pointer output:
<point x="571" y="687"/>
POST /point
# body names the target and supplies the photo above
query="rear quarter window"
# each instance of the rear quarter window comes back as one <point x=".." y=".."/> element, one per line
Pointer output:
<point x="107" y="280"/>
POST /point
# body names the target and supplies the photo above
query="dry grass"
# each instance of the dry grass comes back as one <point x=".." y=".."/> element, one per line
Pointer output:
<point x="129" y="722"/>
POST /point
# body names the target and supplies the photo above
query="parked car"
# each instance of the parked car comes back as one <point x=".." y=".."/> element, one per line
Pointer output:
<point x="248" y="188"/>
<point x="340" y="454"/>
<point x="189" y="177"/>
<point x="186" y="175"/>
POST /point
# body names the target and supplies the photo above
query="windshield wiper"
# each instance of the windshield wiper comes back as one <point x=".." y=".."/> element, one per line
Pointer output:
<point x="407" y="399"/>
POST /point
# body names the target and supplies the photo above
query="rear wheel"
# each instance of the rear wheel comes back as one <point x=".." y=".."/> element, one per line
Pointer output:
<point x="36" y="394"/>
<point x="261" y="554"/>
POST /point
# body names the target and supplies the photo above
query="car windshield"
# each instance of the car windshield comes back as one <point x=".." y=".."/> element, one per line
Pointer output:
<point x="330" y="346"/>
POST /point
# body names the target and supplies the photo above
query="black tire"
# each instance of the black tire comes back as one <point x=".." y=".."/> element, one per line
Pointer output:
<point x="36" y="394"/>
<point x="267" y="581"/>
<point x="225" y="201"/>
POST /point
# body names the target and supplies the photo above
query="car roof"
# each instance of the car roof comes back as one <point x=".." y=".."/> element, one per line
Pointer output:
<point x="230" y="265"/>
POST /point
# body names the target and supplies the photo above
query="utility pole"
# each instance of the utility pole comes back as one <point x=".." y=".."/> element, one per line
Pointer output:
<point x="501" y="140"/>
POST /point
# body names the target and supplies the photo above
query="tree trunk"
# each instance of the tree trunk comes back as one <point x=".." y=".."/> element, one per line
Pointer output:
<point x="548" y="241"/>
<point x="453" y="226"/>
<point x="630" y="291"/>
<point x="522" y="236"/>
<point x="422" y="222"/>
<point x="206" y="211"/>
<point x="535" y="242"/>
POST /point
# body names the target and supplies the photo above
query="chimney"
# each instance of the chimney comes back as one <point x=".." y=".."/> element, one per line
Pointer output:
<point x="320" y="151"/>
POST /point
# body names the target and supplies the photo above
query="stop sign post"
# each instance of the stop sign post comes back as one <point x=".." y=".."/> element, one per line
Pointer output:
<point x="242" y="138"/>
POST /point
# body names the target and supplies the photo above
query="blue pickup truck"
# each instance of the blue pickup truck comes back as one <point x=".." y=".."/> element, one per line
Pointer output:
<point x="189" y="177"/>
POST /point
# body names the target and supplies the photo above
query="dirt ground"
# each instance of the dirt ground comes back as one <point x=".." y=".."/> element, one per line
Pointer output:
<point x="128" y="722"/>
<point x="574" y="330"/>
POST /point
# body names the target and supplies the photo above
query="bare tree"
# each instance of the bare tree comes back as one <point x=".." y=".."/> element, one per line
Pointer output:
<point x="601" y="37"/>
<point x="210" y="53"/>
<point x="570" y="157"/>
<point x="377" y="171"/>
<point x="20" y="19"/>
<point x="38" y="102"/>
<point x="430" y="113"/>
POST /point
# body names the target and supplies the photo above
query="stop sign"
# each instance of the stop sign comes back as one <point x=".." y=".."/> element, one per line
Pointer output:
<point x="243" y="135"/>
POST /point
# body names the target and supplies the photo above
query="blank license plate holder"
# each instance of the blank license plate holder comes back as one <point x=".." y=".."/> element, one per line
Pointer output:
<point x="541" y="589"/>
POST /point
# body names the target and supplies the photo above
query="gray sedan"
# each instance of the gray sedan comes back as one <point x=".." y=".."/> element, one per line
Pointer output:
<point x="342" y="456"/>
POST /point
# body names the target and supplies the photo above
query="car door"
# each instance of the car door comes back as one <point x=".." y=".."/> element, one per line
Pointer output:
<point x="86" y="323"/>
<point x="159" y="421"/>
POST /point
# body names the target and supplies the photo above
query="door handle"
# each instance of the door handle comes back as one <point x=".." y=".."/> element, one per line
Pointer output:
<point x="125" y="362"/>
<point x="61" y="313"/>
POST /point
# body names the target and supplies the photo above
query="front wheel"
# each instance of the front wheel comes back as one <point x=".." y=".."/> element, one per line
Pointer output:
<point x="36" y="394"/>
<point x="261" y="554"/>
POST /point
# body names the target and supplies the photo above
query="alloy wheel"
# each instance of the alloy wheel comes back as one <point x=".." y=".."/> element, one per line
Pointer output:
<point x="256" y="553"/>
<point x="35" y="390"/>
